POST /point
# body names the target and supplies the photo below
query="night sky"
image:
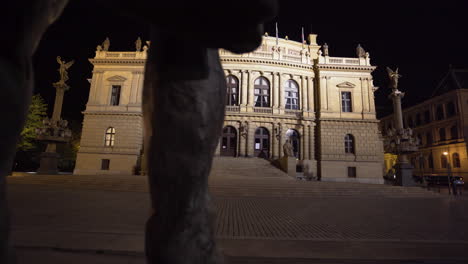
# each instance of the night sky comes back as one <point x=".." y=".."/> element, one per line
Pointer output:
<point x="421" y="39"/>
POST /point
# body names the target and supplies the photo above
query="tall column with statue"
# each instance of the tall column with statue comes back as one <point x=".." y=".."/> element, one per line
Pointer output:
<point x="400" y="140"/>
<point x="55" y="130"/>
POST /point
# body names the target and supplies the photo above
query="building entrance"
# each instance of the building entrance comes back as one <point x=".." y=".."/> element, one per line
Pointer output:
<point x="229" y="142"/>
<point x="262" y="143"/>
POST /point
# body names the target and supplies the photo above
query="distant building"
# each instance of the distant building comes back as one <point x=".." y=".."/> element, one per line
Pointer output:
<point x="441" y="125"/>
<point x="324" y="104"/>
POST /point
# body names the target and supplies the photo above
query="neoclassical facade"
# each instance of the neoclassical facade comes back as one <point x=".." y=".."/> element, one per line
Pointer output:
<point x="283" y="90"/>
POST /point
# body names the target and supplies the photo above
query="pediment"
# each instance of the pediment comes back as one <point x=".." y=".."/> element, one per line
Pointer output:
<point x="116" y="78"/>
<point x="346" y="85"/>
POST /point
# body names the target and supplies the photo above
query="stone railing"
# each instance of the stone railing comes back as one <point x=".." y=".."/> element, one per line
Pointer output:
<point x="121" y="55"/>
<point x="263" y="110"/>
<point x="232" y="108"/>
<point x="272" y="54"/>
<point x="344" y="61"/>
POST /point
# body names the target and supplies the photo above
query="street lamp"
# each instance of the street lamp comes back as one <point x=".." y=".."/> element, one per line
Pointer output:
<point x="448" y="171"/>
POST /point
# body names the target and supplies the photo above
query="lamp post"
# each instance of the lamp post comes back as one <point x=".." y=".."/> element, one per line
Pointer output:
<point x="446" y="154"/>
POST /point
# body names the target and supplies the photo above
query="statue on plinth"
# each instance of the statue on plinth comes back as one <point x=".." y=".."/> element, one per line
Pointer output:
<point x="63" y="70"/>
<point x="288" y="149"/>
<point x="393" y="76"/>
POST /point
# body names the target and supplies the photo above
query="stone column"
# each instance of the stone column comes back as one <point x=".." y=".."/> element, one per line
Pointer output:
<point x="274" y="142"/>
<point x="310" y="93"/>
<point x="60" y="92"/>
<point x="304" y="95"/>
<point x="281" y="92"/>
<point x="323" y="93"/>
<point x="306" y="139"/>
<point x="134" y="88"/>
<point x="371" y="95"/>
<point x="365" y="94"/>
<point x="250" y="140"/>
<point x="250" y="90"/>
<point x="244" y="87"/>
<point x="242" y="142"/>
<point x="276" y="89"/>
<point x="96" y="83"/>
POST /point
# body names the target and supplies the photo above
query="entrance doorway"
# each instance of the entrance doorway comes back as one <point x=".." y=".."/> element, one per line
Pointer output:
<point x="229" y="142"/>
<point x="295" y="138"/>
<point x="262" y="143"/>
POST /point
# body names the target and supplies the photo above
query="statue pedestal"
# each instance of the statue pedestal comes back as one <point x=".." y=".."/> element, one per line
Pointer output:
<point x="49" y="163"/>
<point x="288" y="165"/>
<point x="404" y="174"/>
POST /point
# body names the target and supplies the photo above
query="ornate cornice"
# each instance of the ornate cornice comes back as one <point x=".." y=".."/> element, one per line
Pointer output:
<point x="118" y="61"/>
<point x="346" y="67"/>
<point x="112" y="113"/>
<point x="269" y="62"/>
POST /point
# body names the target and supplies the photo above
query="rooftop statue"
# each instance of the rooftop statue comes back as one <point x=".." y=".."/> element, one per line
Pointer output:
<point x="106" y="44"/>
<point x="360" y="52"/>
<point x="138" y="44"/>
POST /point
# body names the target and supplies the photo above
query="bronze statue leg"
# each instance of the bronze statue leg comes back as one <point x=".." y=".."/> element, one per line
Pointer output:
<point x="23" y="23"/>
<point x="184" y="113"/>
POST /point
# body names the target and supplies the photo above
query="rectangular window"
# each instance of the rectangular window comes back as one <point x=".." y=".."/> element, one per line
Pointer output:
<point x="346" y="102"/>
<point x="115" y="96"/>
<point x="105" y="164"/>
<point x="352" y="172"/>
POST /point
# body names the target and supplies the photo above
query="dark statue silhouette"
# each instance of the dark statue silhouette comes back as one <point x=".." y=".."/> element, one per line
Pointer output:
<point x="184" y="95"/>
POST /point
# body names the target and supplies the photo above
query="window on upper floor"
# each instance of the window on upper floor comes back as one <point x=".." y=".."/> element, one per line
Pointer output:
<point x="349" y="144"/>
<point x="451" y="111"/>
<point x="454" y="132"/>
<point x="115" y="95"/>
<point x="109" y="138"/>
<point x="442" y="136"/>
<point x="429" y="138"/>
<point x="440" y="112"/>
<point x="430" y="161"/>
<point x="291" y="90"/>
<point x="262" y="92"/>
<point x="105" y="164"/>
<point x="427" y="117"/>
<point x="456" y="160"/>
<point x="232" y="93"/>
<point x="410" y="122"/>
<point x="346" y="104"/>
<point x="418" y="119"/>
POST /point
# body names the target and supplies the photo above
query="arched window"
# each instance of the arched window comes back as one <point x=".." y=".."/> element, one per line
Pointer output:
<point x="109" y="139"/>
<point x="349" y="144"/>
<point x="450" y="109"/>
<point x="232" y="94"/>
<point x="456" y="160"/>
<point x="443" y="161"/>
<point x="442" y="136"/>
<point x="291" y="90"/>
<point x="454" y="132"/>
<point x="262" y="92"/>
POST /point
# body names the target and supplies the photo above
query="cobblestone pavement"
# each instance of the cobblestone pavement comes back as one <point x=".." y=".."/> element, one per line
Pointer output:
<point x="276" y="221"/>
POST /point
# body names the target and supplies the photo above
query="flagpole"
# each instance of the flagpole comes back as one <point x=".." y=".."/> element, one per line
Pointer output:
<point x="276" y="26"/>
<point x="302" y="37"/>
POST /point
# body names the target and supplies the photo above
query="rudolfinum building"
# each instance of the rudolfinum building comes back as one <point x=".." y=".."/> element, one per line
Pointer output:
<point x="283" y="90"/>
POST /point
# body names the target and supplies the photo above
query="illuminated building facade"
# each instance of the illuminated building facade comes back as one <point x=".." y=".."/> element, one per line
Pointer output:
<point x="284" y="89"/>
